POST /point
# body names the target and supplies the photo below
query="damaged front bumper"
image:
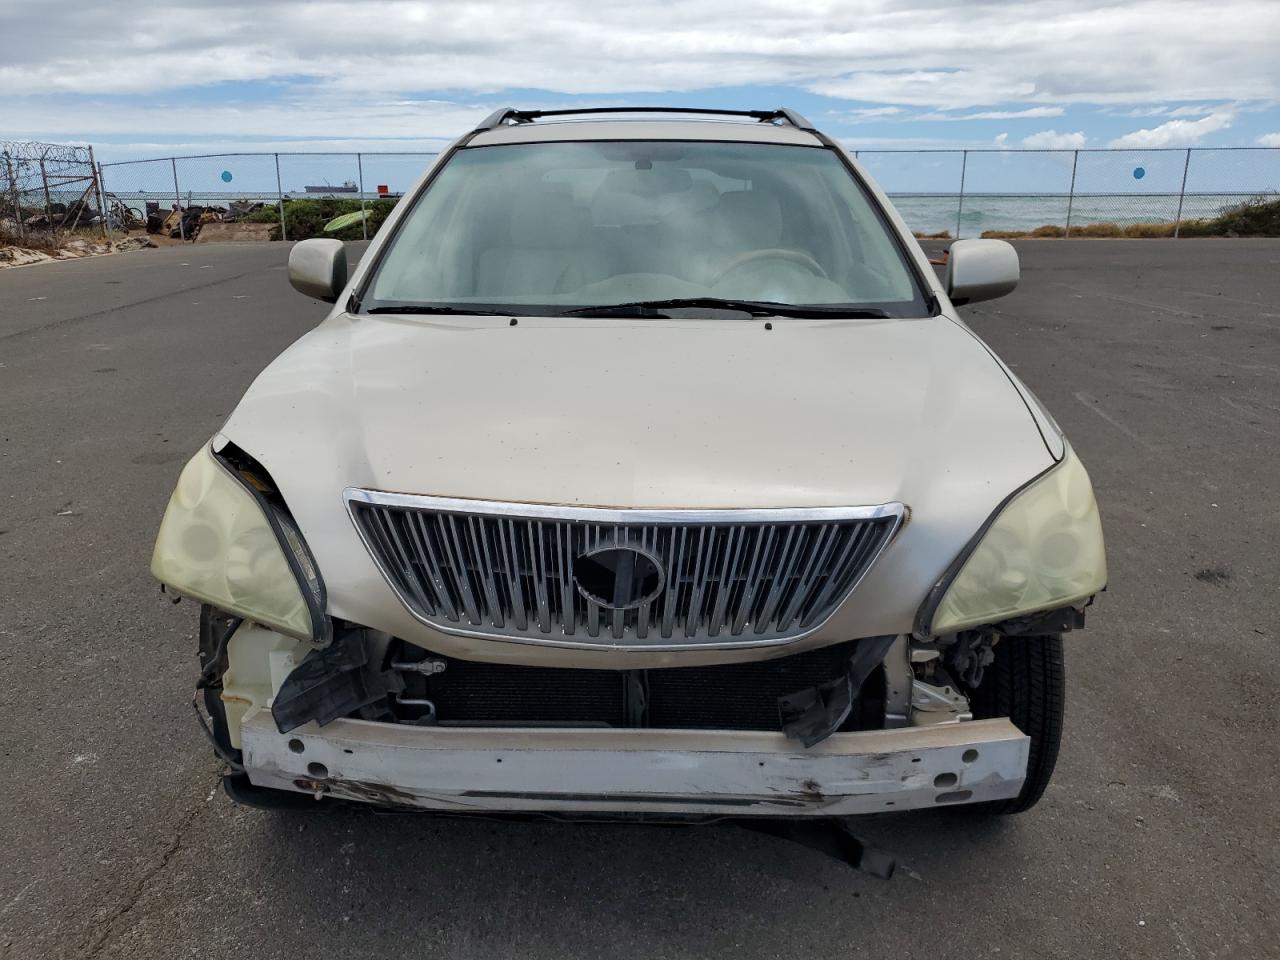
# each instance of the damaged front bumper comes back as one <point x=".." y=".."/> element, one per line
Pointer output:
<point x="637" y="771"/>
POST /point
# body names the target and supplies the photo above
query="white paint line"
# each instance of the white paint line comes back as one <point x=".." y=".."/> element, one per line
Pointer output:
<point x="17" y="898"/>
<point x="1096" y="407"/>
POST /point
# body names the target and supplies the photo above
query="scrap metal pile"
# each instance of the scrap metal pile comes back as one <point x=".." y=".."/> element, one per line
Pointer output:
<point x="185" y="223"/>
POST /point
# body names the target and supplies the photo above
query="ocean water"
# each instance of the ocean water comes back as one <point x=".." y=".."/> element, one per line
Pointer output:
<point x="935" y="212"/>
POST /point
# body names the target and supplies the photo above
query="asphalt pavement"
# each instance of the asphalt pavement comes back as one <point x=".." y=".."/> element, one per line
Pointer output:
<point x="1157" y="837"/>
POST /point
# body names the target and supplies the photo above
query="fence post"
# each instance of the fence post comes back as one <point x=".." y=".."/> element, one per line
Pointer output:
<point x="44" y="179"/>
<point x="177" y="199"/>
<point x="95" y="170"/>
<point x="1182" y="192"/>
<point x="17" y="196"/>
<point x="284" y="233"/>
<point x="964" y="163"/>
<point x="1071" y="196"/>
<point x="364" y="217"/>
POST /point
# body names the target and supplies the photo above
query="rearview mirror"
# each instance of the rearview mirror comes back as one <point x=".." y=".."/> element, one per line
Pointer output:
<point x="980" y="270"/>
<point x="318" y="268"/>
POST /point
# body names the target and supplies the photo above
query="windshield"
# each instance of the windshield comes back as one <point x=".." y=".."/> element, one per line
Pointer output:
<point x="542" y="228"/>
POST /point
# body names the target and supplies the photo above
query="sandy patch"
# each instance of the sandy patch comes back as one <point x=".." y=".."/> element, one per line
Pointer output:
<point x="74" y="249"/>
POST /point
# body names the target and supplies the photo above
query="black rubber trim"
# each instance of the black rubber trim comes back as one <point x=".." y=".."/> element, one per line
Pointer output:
<point x="497" y="119"/>
<point x="1056" y="621"/>
<point x="315" y="605"/>
<point x="924" y="616"/>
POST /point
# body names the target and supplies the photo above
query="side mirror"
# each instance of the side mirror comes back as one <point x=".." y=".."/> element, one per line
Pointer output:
<point x="980" y="270"/>
<point x="318" y="268"/>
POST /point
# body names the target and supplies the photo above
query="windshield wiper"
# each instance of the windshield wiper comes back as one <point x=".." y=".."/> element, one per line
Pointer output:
<point x="647" y="310"/>
<point x="756" y="308"/>
<point x="650" y="309"/>
<point x="440" y="308"/>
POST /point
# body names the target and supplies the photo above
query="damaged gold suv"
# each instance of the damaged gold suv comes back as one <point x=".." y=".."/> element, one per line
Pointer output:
<point x="643" y="466"/>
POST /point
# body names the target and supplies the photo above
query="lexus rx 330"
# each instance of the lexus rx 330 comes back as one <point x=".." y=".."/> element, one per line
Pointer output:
<point x="642" y="466"/>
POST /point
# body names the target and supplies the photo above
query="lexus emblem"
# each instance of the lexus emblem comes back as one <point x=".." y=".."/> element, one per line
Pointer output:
<point x="618" y="577"/>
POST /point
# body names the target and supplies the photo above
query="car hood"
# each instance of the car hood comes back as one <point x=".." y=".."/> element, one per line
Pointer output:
<point x="641" y="413"/>
<point x="644" y="413"/>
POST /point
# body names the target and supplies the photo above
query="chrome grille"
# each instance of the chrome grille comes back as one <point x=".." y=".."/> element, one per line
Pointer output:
<point x="732" y="577"/>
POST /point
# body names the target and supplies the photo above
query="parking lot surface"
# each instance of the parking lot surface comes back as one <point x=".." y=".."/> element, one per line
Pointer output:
<point x="1157" y="837"/>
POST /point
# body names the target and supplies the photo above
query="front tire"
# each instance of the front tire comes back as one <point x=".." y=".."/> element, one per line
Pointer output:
<point x="1026" y="683"/>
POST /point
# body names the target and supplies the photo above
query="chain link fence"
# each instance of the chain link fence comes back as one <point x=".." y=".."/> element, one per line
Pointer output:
<point x="968" y="193"/>
<point x="242" y="186"/>
<point x="47" y="189"/>
<point x="960" y="193"/>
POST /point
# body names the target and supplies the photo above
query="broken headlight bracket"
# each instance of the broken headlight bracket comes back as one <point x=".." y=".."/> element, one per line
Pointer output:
<point x="336" y="681"/>
<point x="813" y="714"/>
<point x="970" y="652"/>
<point x="1061" y="620"/>
<point x="216" y="629"/>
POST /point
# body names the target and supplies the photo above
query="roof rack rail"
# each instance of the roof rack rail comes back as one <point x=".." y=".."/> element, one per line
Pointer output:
<point x="510" y="115"/>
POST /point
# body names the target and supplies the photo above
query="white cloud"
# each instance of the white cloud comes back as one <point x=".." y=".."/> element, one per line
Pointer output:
<point x="916" y="53"/>
<point x="314" y="116"/>
<point x="943" y="87"/>
<point x="1196" y="109"/>
<point x="1053" y="140"/>
<point x="914" y="144"/>
<point x="1027" y="114"/>
<point x="1176" y="133"/>
<point x="1269" y="140"/>
<point x="345" y="71"/>
<point x="872" y="113"/>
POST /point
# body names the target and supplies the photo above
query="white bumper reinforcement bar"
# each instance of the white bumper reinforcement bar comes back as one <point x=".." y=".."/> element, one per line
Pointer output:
<point x="710" y="772"/>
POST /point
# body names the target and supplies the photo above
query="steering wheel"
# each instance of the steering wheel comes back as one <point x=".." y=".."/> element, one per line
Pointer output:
<point x="773" y="253"/>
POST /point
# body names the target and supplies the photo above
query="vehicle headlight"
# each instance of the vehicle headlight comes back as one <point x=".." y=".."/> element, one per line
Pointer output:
<point x="1044" y="550"/>
<point x="224" y="545"/>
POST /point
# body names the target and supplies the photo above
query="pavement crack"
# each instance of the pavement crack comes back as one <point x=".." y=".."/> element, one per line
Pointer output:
<point x="105" y="927"/>
<point x="65" y="321"/>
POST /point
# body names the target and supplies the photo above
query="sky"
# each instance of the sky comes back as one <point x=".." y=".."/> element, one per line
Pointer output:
<point x="142" y="79"/>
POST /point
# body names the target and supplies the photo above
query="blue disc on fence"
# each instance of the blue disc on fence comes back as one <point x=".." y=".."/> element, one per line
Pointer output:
<point x="226" y="176"/>
<point x="1139" y="173"/>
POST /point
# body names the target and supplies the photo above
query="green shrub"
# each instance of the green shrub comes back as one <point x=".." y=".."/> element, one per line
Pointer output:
<point x="304" y="219"/>
<point x="1258" y="217"/>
